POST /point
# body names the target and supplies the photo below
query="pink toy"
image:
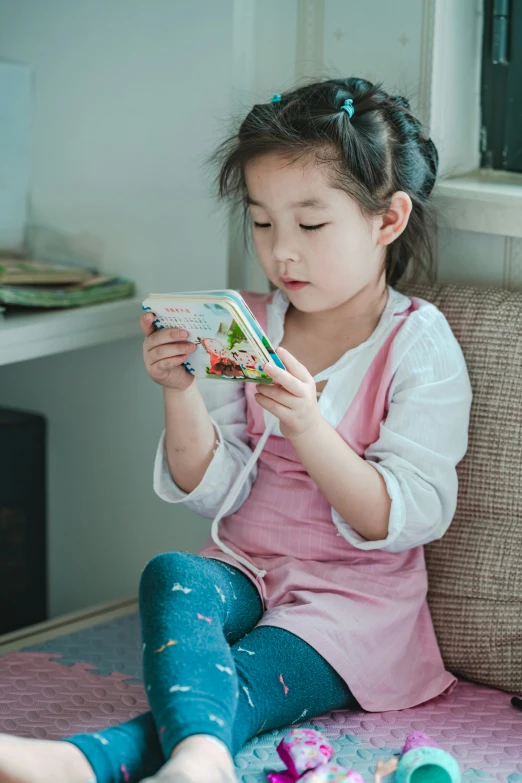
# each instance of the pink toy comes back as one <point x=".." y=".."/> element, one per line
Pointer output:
<point x="333" y="773"/>
<point x="307" y="756"/>
<point x="304" y="749"/>
<point x="280" y="777"/>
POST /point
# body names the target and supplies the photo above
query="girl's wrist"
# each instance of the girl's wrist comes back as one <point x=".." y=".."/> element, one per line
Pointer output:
<point x="174" y="393"/>
<point x="310" y="433"/>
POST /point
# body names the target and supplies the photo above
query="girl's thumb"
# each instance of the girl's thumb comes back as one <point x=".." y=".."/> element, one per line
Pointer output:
<point x="146" y="323"/>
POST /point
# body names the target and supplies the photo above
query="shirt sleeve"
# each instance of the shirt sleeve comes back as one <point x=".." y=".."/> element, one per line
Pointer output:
<point x="226" y="405"/>
<point x="421" y="441"/>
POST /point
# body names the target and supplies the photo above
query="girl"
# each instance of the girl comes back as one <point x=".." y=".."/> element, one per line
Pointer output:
<point x="312" y="595"/>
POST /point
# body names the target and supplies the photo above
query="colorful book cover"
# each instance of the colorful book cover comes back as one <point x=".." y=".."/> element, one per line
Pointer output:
<point x="223" y="350"/>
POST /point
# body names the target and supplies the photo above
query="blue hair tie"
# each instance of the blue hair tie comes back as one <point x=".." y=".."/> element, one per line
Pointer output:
<point x="348" y="107"/>
<point x="275" y="98"/>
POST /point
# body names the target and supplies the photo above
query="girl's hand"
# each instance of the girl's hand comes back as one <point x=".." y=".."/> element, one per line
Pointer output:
<point x="164" y="351"/>
<point x="292" y="398"/>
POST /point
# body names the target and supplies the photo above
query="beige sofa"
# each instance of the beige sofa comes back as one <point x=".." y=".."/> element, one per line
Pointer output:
<point x="475" y="571"/>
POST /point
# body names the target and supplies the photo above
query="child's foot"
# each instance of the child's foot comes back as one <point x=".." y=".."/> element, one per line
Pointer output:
<point x="42" y="761"/>
<point x="197" y="759"/>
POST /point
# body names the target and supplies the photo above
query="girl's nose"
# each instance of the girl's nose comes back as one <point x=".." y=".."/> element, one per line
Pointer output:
<point x="283" y="252"/>
<point x="285" y="263"/>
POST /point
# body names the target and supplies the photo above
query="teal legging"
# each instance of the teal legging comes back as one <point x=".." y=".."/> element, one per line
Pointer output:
<point x="209" y="670"/>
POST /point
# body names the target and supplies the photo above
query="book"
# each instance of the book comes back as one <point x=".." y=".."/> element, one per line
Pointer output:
<point x="230" y="343"/>
<point x="94" y="290"/>
<point x="18" y="271"/>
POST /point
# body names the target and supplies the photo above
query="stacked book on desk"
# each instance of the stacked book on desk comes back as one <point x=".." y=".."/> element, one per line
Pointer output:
<point x="29" y="283"/>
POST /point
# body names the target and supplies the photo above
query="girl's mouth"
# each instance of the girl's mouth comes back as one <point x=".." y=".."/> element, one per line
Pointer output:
<point x="294" y="285"/>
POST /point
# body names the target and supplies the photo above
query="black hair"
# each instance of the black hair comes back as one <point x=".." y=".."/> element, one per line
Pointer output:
<point x="379" y="150"/>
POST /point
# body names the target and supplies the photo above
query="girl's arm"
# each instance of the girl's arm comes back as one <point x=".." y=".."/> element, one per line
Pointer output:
<point x="204" y="447"/>
<point x="421" y="442"/>
<point x="351" y="485"/>
<point x="190" y="437"/>
<point x="403" y="492"/>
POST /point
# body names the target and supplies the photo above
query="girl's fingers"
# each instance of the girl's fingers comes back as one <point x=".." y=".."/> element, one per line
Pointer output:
<point x="164" y="336"/>
<point x="271" y="406"/>
<point x="278" y="394"/>
<point x="293" y="366"/>
<point x="169" y="351"/>
<point x="146" y="324"/>
<point x="169" y="363"/>
<point x="284" y="379"/>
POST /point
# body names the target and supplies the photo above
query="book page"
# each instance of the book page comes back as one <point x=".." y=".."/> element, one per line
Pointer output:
<point x="222" y="348"/>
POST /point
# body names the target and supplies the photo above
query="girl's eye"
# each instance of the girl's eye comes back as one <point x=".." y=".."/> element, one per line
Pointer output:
<point x="306" y="228"/>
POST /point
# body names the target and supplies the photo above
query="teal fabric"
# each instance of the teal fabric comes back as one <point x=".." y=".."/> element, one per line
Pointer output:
<point x="209" y="670"/>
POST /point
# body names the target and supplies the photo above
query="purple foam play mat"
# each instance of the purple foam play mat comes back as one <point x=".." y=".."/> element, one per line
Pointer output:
<point x="91" y="679"/>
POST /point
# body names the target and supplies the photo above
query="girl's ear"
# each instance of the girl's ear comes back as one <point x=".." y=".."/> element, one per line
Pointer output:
<point x="395" y="220"/>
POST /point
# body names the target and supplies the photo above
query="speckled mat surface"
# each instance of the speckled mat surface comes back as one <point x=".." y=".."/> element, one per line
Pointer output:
<point x="91" y="679"/>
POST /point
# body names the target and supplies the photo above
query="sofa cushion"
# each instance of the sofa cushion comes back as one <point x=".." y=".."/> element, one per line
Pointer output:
<point x="475" y="570"/>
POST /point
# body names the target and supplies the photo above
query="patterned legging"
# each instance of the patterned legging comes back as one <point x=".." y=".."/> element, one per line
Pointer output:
<point x="209" y="670"/>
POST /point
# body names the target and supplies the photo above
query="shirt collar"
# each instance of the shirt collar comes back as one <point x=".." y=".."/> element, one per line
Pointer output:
<point x="397" y="303"/>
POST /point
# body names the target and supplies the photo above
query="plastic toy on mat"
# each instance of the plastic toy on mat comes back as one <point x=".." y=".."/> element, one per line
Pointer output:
<point x="308" y="758"/>
<point x="422" y="759"/>
<point x="304" y="749"/>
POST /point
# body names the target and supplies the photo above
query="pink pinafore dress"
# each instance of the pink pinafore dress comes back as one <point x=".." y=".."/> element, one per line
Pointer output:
<point x="365" y="612"/>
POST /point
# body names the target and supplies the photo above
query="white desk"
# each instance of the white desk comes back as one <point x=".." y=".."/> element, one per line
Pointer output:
<point x="27" y="335"/>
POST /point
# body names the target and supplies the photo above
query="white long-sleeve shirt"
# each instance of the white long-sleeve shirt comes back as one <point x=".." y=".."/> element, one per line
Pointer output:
<point x="421" y="440"/>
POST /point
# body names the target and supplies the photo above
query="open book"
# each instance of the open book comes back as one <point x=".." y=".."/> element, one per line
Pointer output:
<point x="231" y="344"/>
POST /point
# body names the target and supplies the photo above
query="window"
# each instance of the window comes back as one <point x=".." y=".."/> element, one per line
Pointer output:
<point x="501" y="131"/>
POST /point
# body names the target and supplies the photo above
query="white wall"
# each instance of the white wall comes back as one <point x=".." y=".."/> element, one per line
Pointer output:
<point x="129" y="98"/>
<point x="395" y="43"/>
<point x="388" y="51"/>
<point x="480" y="259"/>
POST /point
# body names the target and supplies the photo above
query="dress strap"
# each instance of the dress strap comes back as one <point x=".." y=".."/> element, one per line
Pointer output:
<point x="231" y="499"/>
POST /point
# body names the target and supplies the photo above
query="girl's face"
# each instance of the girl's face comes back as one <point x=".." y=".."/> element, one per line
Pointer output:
<point x="307" y="232"/>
